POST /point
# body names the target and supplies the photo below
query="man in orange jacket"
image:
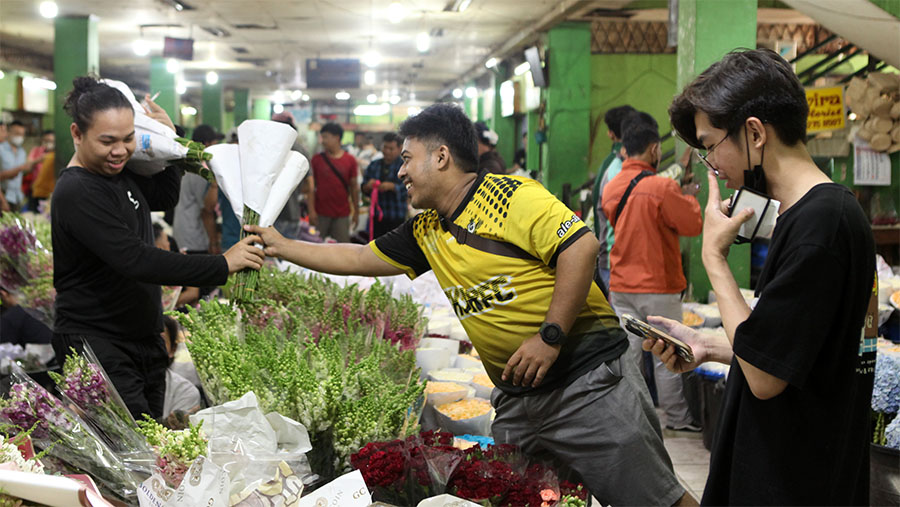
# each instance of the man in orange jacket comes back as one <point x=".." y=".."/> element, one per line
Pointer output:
<point x="649" y="213"/>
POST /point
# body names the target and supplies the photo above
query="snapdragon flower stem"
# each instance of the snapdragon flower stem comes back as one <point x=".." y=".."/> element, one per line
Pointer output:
<point x="246" y="280"/>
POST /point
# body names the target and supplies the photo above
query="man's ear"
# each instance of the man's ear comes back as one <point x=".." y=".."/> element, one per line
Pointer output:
<point x="757" y="130"/>
<point x="442" y="157"/>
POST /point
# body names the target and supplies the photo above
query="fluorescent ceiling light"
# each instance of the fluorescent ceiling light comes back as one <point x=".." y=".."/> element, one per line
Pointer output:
<point x="181" y="88"/>
<point x="395" y="99"/>
<point x="371" y="109"/>
<point x="471" y="92"/>
<point x="172" y="66"/>
<point x="372" y="98"/>
<point x="48" y="9"/>
<point x="278" y="108"/>
<point x="36" y="83"/>
<point x="296" y="95"/>
<point x="305" y="98"/>
<point x="212" y="77"/>
<point x="342" y="95"/>
<point x="140" y="47"/>
<point x="423" y="42"/>
<point x="491" y="63"/>
<point x="396" y="12"/>
<point x="369" y="77"/>
<point x="457" y="93"/>
<point x="522" y="68"/>
<point x="461" y="5"/>
<point x="372" y="58"/>
<point x="188" y="111"/>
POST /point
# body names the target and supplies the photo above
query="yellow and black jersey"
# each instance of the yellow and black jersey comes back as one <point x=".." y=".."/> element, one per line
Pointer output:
<point x="501" y="289"/>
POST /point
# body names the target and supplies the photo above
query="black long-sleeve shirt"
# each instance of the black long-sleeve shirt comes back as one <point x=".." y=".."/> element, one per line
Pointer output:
<point x="106" y="269"/>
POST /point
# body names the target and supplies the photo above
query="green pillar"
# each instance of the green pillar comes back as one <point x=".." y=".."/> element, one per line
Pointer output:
<point x="241" y="105"/>
<point x="262" y="109"/>
<point x="532" y="151"/>
<point x="163" y="82"/>
<point x="568" y="99"/>
<point x="212" y="106"/>
<point x="504" y="127"/>
<point x="76" y="52"/>
<point x="707" y="30"/>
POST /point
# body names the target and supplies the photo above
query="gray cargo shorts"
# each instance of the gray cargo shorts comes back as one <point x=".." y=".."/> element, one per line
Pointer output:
<point x="601" y="426"/>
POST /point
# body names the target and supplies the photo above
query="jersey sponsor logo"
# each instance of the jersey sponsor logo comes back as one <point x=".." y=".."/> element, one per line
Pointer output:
<point x="482" y="297"/>
<point x="565" y="226"/>
<point x="133" y="200"/>
<point x="473" y="225"/>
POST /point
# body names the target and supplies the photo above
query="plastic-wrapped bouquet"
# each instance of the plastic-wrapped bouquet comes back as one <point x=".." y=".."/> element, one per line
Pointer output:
<point x="26" y="265"/>
<point x="258" y="177"/>
<point x="176" y="450"/>
<point x="63" y="435"/>
<point x="84" y="383"/>
<point x="885" y="391"/>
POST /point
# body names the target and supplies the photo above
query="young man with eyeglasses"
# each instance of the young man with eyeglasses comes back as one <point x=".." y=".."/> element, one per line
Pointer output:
<point x="648" y="213"/>
<point x="794" y="428"/>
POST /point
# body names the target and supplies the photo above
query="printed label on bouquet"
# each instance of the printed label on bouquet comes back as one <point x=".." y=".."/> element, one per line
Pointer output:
<point x="349" y="490"/>
<point x="210" y="488"/>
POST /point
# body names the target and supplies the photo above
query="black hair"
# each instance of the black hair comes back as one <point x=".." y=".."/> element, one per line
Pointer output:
<point x="744" y="83"/>
<point x="639" y="131"/>
<point x="446" y="124"/>
<point x="333" y="128"/>
<point x="49" y="131"/>
<point x="613" y="118"/>
<point x="171" y="326"/>
<point x="16" y="123"/>
<point x="90" y="96"/>
<point x="391" y="137"/>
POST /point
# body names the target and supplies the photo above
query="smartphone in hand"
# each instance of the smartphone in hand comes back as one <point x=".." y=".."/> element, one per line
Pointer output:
<point x="645" y="330"/>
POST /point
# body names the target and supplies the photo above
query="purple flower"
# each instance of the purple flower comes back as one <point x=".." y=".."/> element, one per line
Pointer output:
<point x="85" y="386"/>
<point x="29" y="405"/>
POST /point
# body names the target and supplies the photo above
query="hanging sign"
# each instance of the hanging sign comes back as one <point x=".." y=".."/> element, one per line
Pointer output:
<point x="826" y="109"/>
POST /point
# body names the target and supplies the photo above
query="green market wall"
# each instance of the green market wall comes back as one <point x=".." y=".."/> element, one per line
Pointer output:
<point x="646" y="82"/>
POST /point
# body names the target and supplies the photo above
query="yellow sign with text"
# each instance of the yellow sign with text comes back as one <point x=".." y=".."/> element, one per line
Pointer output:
<point x="826" y="109"/>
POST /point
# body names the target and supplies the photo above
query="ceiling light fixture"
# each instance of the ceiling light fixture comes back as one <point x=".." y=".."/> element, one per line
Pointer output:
<point x="305" y="98"/>
<point x="140" y="47"/>
<point x="460" y="5"/>
<point x="372" y="98"/>
<point x="371" y="110"/>
<point x="369" y="77"/>
<point x="188" y="111"/>
<point x="172" y="66"/>
<point x="296" y="95"/>
<point x="522" y="68"/>
<point x="36" y="83"/>
<point x="372" y="58"/>
<point x="395" y="99"/>
<point x="181" y="88"/>
<point x="278" y="109"/>
<point x="342" y="95"/>
<point x="471" y="92"/>
<point x="457" y="93"/>
<point x="412" y="95"/>
<point x="423" y="42"/>
<point x="491" y="63"/>
<point x="48" y="9"/>
<point x="396" y="12"/>
<point x="212" y="77"/>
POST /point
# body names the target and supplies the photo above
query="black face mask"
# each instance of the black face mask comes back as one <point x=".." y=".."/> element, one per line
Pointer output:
<point x="755" y="178"/>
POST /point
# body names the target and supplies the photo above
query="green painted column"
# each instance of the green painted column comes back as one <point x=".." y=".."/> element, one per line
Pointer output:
<point x="707" y="30"/>
<point x="76" y="52"/>
<point x="504" y="127"/>
<point x="212" y="106"/>
<point x="241" y="105"/>
<point x="568" y="99"/>
<point x="164" y="82"/>
<point x="262" y="109"/>
<point x="532" y="151"/>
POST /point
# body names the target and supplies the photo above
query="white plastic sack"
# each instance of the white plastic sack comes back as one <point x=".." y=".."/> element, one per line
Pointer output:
<point x="205" y="483"/>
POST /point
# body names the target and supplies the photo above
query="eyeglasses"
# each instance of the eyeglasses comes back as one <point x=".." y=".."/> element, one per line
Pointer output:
<point x="703" y="156"/>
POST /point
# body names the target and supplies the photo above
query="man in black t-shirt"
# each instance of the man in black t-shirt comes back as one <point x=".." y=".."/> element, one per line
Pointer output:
<point x="794" y="428"/>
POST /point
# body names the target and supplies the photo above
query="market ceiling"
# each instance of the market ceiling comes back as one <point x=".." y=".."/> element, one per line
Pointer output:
<point x="263" y="45"/>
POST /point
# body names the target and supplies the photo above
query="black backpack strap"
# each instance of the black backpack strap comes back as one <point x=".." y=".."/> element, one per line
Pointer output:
<point x="491" y="246"/>
<point x="627" y="193"/>
<point x="336" y="172"/>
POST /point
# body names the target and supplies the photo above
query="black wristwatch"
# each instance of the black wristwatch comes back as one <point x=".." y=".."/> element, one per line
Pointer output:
<point x="552" y="334"/>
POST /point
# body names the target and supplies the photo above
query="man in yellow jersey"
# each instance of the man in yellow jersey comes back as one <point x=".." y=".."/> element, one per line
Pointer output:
<point x="516" y="265"/>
